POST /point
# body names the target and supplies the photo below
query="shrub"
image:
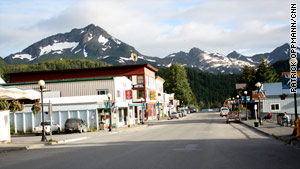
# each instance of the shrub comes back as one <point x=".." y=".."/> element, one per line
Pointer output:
<point x="15" y="106"/>
<point x="36" y="107"/>
<point x="4" y="105"/>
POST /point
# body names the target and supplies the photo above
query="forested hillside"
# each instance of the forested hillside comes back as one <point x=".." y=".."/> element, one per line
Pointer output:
<point x="51" y="65"/>
<point x="210" y="89"/>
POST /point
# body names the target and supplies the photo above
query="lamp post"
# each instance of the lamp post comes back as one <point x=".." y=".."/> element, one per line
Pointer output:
<point x="142" y="100"/>
<point x="110" y="123"/>
<point x="245" y="92"/>
<point x="238" y="103"/>
<point x="158" y="109"/>
<point x="294" y="60"/>
<point x="258" y="85"/>
<point x="41" y="83"/>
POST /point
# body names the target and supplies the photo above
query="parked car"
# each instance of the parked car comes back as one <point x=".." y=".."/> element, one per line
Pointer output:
<point x="188" y="111"/>
<point x="224" y="111"/>
<point x="39" y="129"/>
<point x="174" y="115"/>
<point x="233" y="116"/>
<point x="193" y="110"/>
<point x="75" y="125"/>
<point x="184" y="112"/>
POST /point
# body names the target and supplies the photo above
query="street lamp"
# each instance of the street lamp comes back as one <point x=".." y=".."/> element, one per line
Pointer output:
<point x="294" y="60"/>
<point x="245" y="92"/>
<point x="238" y="102"/>
<point x="142" y="100"/>
<point x="110" y="123"/>
<point x="158" y="109"/>
<point x="258" y="85"/>
<point x="41" y="83"/>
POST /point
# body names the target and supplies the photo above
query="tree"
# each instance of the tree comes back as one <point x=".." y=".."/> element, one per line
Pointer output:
<point x="177" y="82"/>
<point x="263" y="73"/>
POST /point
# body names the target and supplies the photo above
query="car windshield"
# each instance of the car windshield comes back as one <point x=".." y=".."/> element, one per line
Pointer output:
<point x="224" y="108"/>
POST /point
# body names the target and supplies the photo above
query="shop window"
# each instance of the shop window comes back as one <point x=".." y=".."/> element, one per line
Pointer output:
<point x="141" y="93"/>
<point x="102" y="91"/>
<point x="275" y="107"/>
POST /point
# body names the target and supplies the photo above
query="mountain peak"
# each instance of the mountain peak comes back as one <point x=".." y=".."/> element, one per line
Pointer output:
<point x="235" y="55"/>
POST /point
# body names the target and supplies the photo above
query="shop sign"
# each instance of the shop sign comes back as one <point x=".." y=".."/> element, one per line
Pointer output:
<point x="138" y="86"/>
<point x="128" y="94"/>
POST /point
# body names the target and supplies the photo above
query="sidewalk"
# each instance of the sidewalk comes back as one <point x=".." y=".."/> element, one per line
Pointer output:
<point x="282" y="133"/>
<point x="30" y="141"/>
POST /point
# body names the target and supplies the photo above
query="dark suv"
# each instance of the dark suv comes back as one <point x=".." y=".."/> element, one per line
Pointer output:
<point x="75" y="124"/>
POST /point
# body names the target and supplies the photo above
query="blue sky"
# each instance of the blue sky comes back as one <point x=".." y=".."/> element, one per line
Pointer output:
<point x="154" y="28"/>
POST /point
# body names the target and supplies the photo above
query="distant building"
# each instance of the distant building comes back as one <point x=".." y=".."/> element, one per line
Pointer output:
<point x="97" y="81"/>
<point x="279" y="100"/>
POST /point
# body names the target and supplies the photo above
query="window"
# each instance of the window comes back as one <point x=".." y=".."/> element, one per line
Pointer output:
<point x="118" y="93"/>
<point x="102" y="91"/>
<point x="141" y="93"/>
<point x="275" y="107"/>
<point x="140" y="80"/>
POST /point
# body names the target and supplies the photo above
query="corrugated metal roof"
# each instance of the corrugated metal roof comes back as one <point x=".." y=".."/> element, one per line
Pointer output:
<point x="275" y="89"/>
<point x="60" y="81"/>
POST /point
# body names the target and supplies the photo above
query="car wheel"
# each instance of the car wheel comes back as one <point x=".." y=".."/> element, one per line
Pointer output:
<point x="80" y="131"/>
<point x="66" y="131"/>
<point x="58" y="131"/>
<point x="37" y="134"/>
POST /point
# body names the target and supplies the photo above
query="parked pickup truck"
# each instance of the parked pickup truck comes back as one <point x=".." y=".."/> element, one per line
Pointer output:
<point x="54" y="128"/>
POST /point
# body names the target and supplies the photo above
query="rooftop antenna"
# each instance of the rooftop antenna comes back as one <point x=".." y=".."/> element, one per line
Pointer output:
<point x="134" y="57"/>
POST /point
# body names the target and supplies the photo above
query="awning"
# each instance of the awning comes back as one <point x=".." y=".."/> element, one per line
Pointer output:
<point x="17" y="93"/>
<point x="135" y="104"/>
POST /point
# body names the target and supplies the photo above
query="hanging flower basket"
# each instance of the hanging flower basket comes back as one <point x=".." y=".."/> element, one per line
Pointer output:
<point x="36" y="107"/>
<point x="15" y="106"/>
<point x="283" y="96"/>
<point x="4" y="105"/>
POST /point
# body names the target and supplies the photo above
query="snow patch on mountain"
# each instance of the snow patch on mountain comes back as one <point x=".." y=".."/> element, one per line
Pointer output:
<point x="84" y="52"/>
<point x="102" y="39"/>
<point x="23" y="56"/>
<point x="90" y="36"/>
<point x="117" y="41"/>
<point x="58" y="47"/>
<point x="123" y="59"/>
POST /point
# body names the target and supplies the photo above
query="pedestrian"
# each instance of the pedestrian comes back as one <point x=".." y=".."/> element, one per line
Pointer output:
<point x="268" y="117"/>
<point x="285" y="119"/>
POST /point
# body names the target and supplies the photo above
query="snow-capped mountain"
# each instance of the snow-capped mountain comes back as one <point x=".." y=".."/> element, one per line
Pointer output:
<point x="94" y="43"/>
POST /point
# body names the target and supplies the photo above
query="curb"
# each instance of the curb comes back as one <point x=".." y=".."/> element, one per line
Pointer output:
<point x="35" y="146"/>
<point x="66" y="141"/>
<point x="287" y="141"/>
<point x="256" y="129"/>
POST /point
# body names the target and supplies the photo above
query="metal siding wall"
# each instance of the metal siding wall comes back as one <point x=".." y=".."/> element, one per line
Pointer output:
<point x="80" y="88"/>
<point x="28" y="122"/>
<point x="286" y="105"/>
<point x="83" y="115"/>
<point x="64" y="117"/>
<point x="19" y="122"/>
<point x="55" y="117"/>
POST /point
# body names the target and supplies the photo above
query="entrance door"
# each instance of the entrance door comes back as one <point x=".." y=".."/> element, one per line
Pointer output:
<point x="125" y="115"/>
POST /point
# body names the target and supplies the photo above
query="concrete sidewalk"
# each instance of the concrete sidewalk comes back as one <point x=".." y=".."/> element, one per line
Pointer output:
<point x="283" y="133"/>
<point x="31" y="141"/>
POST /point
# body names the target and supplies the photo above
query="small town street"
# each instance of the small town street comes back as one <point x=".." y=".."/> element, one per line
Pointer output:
<point x="199" y="140"/>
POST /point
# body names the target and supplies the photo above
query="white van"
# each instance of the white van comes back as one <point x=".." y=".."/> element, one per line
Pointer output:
<point x="224" y="111"/>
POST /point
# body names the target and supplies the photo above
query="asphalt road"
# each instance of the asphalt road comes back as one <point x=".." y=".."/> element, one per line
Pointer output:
<point x="200" y="141"/>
